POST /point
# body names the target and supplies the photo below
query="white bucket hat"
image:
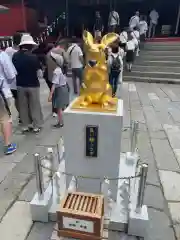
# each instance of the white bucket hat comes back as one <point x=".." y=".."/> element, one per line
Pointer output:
<point x="58" y="58"/>
<point x="27" y="39"/>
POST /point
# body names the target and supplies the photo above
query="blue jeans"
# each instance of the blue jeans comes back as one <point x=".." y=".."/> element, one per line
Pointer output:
<point x="77" y="73"/>
<point x="113" y="80"/>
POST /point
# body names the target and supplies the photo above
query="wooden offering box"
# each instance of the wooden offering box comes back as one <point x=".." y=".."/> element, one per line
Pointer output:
<point x="81" y="216"/>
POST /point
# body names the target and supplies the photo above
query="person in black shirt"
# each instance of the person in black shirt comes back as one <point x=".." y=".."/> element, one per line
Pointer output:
<point x="98" y="26"/>
<point x="28" y="67"/>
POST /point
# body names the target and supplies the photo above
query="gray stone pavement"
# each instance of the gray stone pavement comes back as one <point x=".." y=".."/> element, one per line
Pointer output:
<point x="157" y="108"/>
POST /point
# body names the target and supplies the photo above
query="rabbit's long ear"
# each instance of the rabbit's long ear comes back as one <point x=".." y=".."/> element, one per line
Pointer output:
<point x="88" y="38"/>
<point x="108" y="39"/>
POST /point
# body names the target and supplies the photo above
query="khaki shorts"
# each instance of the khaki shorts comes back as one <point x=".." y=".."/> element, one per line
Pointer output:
<point x="4" y="115"/>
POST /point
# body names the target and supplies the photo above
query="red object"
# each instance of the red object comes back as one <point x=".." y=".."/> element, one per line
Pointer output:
<point x="18" y="18"/>
<point x="164" y="39"/>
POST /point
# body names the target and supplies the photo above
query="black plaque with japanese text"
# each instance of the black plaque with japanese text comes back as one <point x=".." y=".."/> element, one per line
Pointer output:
<point x="91" y="141"/>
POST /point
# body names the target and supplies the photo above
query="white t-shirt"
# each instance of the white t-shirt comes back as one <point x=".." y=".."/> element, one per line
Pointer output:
<point x="154" y="16"/>
<point x="11" y="51"/>
<point x="58" y="77"/>
<point x="143" y="27"/>
<point x="123" y="37"/>
<point x="74" y="53"/>
<point x="136" y="36"/>
<point x="113" y="18"/>
<point x="134" y="22"/>
<point x="7" y="73"/>
<point x="130" y="45"/>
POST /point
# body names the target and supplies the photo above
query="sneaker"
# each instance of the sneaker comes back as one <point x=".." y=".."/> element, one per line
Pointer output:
<point x="54" y="115"/>
<point x="10" y="149"/>
<point x="58" y="125"/>
<point x="36" y="130"/>
<point x="25" y="130"/>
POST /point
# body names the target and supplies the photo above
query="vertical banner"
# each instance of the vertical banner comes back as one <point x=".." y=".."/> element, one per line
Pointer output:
<point x="177" y="21"/>
<point x="91" y="141"/>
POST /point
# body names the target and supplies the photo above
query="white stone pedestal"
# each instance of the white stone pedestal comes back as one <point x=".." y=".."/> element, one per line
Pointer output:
<point x="109" y="147"/>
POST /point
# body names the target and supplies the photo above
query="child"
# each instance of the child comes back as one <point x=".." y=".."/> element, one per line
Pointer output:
<point x="143" y="28"/>
<point x="59" y="90"/>
<point x="136" y="38"/>
<point x="130" y="48"/>
<point x="123" y="37"/>
<point x="115" y="64"/>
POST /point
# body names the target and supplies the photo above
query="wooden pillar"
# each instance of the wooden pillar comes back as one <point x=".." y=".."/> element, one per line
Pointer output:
<point x="177" y="21"/>
<point x="24" y="15"/>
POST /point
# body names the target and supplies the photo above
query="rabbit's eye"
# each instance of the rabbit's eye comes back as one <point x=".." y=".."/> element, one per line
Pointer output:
<point x="92" y="63"/>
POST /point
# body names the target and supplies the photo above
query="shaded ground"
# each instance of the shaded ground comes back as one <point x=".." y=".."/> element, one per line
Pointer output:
<point x="157" y="108"/>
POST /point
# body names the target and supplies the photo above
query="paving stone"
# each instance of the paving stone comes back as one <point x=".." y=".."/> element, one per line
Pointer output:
<point x="170" y="182"/>
<point x="157" y="135"/>
<point x="154" y="202"/>
<point x="5" y="168"/>
<point x="125" y="145"/>
<point x="126" y="119"/>
<point x="29" y="191"/>
<point x="177" y="231"/>
<point x="171" y="95"/>
<point x="164" y="155"/>
<point x="135" y="105"/>
<point x="152" y="121"/>
<point x="175" y="113"/>
<point x="143" y="94"/>
<point x="41" y="231"/>
<point x="177" y="154"/>
<point x="160" y="105"/>
<point x="17" y="222"/>
<point x="174" y="209"/>
<point x="137" y="115"/>
<point x="173" y="134"/>
<point x="164" y="117"/>
<point x="152" y="177"/>
<point x="53" y="138"/>
<point x="14" y="158"/>
<point x="10" y="189"/>
<point x="153" y="96"/>
<point x="159" y="226"/>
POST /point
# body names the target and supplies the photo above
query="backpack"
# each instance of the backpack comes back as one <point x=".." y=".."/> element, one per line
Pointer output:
<point x="116" y="64"/>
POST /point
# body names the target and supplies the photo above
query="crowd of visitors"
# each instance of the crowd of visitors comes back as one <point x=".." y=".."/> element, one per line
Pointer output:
<point x="22" y="65"/>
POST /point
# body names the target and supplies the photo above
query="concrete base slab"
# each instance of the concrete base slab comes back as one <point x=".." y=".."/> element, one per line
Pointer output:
<point x="138" y="222"/>
<point x="39" y="207"/>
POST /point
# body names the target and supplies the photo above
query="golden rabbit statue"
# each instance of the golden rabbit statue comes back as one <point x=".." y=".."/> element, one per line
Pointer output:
<point x="96" y="89"/>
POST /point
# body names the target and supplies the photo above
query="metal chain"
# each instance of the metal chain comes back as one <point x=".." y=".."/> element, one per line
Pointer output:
<point x="94" y="178"/>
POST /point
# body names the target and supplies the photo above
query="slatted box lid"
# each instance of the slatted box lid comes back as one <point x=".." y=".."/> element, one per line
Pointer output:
<point x="83" y="204"/>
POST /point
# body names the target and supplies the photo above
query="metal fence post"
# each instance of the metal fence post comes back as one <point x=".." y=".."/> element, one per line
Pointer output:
<point x="39" y="175"/>
<point x="142" y="185"/>
<point x="55" y="176"/>
<point x="134" y="135"/>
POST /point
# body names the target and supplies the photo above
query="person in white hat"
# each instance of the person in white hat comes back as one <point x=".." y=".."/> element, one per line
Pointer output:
<point x="59" y="89"/>
<point x="28" y="66"/>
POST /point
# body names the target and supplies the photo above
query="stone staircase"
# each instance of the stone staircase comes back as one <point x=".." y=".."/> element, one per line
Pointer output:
<point x="159" y="62"/>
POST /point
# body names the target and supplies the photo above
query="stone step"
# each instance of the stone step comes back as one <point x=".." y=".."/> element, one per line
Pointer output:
<point x="165" y="63"/>
<point x="152" y="57"/>
<point x="162" y="47"/>
<point x="150" y="80"/>
<point x="155" y="74"/>
<point x="156" y="68"/>
<point x="160" y="53"/>
<point x="162" y="43"/>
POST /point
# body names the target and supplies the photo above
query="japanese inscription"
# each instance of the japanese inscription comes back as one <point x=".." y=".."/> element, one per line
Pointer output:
<point x="91" y="141"/>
